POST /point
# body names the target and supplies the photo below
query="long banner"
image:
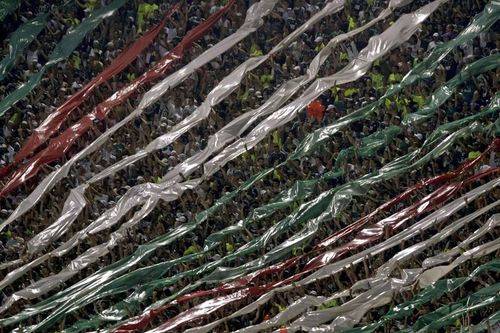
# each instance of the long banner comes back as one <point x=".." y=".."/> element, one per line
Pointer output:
<point x="19" y="40"/>
<point x="62" y="51"/>
<point x="54" y="121"/>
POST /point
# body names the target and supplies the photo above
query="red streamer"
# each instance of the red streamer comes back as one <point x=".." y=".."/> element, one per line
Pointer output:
<point x="60" y="145"/>
<point x="54" y="121"/>
<point x="364" y="237"/>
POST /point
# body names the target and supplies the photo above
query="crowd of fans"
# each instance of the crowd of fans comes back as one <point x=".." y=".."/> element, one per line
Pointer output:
<point x="116" y="32"/>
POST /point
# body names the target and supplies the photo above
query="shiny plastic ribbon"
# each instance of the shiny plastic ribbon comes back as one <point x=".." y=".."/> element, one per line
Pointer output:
<point x="7" y="7"/>
<point x="252" y="22"/>
<point x="266" y="291"/>
<point x="141" y="321"/>
<point x="350" y="313"/>
<point x="145" y="250"/>
<point x="222" y="90"/>
<point x="383" y="273"/>
<point x="95" y="283"/>
<point x="62" y="51"/>
<point x="211" y="305"/>
<point x="19" y="40"/>
<point x="54" y="121"/>
<point x="58" y="146"/>
<point x="447" y="314"/>
<point x="217" y="141"/>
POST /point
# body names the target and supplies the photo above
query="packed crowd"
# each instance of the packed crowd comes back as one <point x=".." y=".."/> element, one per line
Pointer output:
<point x="350" y="153"/>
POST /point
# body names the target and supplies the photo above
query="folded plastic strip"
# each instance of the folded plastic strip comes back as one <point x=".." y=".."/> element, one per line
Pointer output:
<point x="216" y="141"/>
<point x="19" y="40"/>
<point x="100" y="287"/>
<point x="158" y="307"/>
<point x="62" y="51"/>
<point x="252" y="22"/>
<point x="221" y="91"/>
<point x="293" y="310"/>
<point x="7" y="7"/>
<point x="475" y="23"/>
<point x="60" y="145"/>
<point x="54" y="121"/>
<point x="350" y="313"/>
<point x="447" y="314"/>
<point x="378" y="46"/>
<point x="433" y="219"/>
<point x="217" y="303"/>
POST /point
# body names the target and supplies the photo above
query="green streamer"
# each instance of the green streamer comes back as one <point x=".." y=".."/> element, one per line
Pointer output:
<point x="427" y="295"/>
<point x="19" y="40"/>
<point x="63" y="50"/>
<point x="447" y="314"/>
<point x="7" y="7"/>
<point x="91" y="284"/>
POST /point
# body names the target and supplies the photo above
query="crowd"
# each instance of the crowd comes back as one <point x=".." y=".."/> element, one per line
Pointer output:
<point x="116" y="32"/>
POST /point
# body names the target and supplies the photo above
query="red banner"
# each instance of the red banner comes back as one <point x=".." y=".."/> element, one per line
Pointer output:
<point x="60" y="145"/>
<point x="54" y="121"/>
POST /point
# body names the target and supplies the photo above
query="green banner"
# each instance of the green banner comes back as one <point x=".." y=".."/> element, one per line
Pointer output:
<point x="427" y="295"/>
<point x="19" y="40"/>
<point x="7" y="7"/>
<point x="63" y="50"/>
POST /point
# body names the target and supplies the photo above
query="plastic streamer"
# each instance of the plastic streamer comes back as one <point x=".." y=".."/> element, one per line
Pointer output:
<point x="222" y="90"/>
<point x="54" y="121"/>
<point x="215" y="142"/>
<point x="267" y="291"/>
<point x="351" y="312"/>
<point x="19" y="40"/>
<point x="241" y="282"/>
<point x="62" y="51"/>
<point x="382" y="274"/>
<point x="96" y="284"/>
<point x="7" y="7"/>
<point x="252" y="22"/>
<point x="57" y="147"/>
<point x="447" y="314"/>
<point x="382" y="285"/>
<point x="483" y="20"/>
<point x="159" y="269"/>
<point x="211" y="305"/>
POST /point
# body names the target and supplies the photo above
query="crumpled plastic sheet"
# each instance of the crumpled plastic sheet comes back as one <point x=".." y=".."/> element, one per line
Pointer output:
<point x="430" y="293"/>
<point x="252" y="22"/>
<point x="447" y="314"/>
<point x="431" y="220"/>
<point x="19" y="40"/>
<point x="60" y="145"/>
<point x="347" y="314"/>
<point x="96" y="284"/>
<point x="218" y="94"/>
<point x="382" y="275"/>
<point x="74" y="203"/>
<point x="379" y="285"/>
<point x="7" y="7"/>
<point x="54" y="121"/>
<point x="177" y="233"/>
<point x="149" y="194"/>
<point x="158" y="307"/>
<point x="62" y="50"/>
